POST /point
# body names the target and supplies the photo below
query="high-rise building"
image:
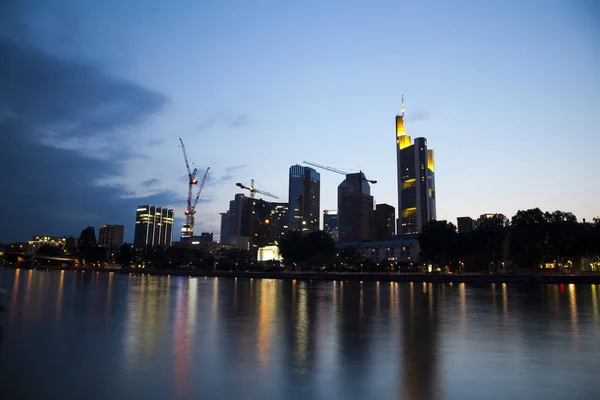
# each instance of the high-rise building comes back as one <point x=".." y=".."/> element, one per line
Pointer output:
<point x="256" y="223"/>
<point x="279" y="220"/>
<point x="111" y="235"/>
<point x="153" y="227"/>
<point x="330" y="220"/>
<point x="416" y="181"/>
<point x="465" y="224"/>
<point x="304" y="198"/>
<point x="384" y="221"/>
<point x="225" y="224"/>
<point x="231" y="223"/>
<point x="330" y="223"/>
<point x="355" y="209"/>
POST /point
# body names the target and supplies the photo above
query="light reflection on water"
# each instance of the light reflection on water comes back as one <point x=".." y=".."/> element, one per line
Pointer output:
<point x="180" y="337"/>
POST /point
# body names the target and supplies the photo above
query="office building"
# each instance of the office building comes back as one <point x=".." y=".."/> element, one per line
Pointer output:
<point x="384" y="222"/>
<point x="205" y="237"/>
<point x="464" y="224"/>
<point x="153" y="227"/>
<point x="231" y="223"/>
<point x="304" y="198"/>
<point x="279" y="220"/>
<point x="330" y="223"/>
<point x="111" y="236"/>
<point x="34" y="244"/>
<point x="256" y="223"/>
<point x="355" y="209"/>
<point x="416" y="181"/>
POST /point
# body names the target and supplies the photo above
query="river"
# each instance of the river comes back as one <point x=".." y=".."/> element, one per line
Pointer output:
<point x="76" y="335"/>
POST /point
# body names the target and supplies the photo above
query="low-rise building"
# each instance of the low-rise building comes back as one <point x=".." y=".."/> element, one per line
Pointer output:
<point x="399" y="249"/>
<point x="34" y="244"/>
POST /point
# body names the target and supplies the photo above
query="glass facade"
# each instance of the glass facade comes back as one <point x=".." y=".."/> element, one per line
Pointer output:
<point x="304" y="198"/>
<point x="153" y="227"/>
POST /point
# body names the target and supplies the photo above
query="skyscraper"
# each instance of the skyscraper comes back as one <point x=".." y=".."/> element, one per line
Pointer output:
<point x="153" y="227"/>
<point x="355" y="209"/>
<point x="304" y="198"/>
<point x="231" y="223"/>
<point x="330" y="223"/>
<point x="111" y="235"/>
<point x="416" y="180"/>
<point x="384" y="222"/>
<point x="279" y="220"/>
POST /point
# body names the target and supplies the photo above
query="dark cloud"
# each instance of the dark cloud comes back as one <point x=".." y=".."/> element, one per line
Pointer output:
<point x="45" y="102"/>
<point x="236" y="121"/>
<point x="419" y="116"/>
<point x="234" y="168"/>
<point x="150" y="183"/>
<point x="228" y="177"/>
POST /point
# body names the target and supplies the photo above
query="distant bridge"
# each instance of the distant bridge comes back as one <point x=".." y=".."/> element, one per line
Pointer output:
<point x="14" y="256"/>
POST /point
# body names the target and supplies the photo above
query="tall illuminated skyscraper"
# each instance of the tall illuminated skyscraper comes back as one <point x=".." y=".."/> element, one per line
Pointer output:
<point x="416" y="181"/>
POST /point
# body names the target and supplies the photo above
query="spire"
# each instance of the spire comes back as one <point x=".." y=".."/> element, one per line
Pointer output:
<point x="403" y="104"/>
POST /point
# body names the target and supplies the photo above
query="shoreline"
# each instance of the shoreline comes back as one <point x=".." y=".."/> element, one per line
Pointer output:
<point x="357" y="277"/>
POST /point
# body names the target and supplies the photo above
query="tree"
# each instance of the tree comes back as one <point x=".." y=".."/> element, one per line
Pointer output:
<point x="488" y="238"/>
<point x="291" y="247"/>
<point x="125" y="255"/>
<point x="71" y="246"/>
<point x="438" y="242"/>
<point x="563" y="237"/>
<point x="86" y="245"/>
<point x="528" y="238"/>
<point x="317" y="248"/>
<point x="49" y="250"/>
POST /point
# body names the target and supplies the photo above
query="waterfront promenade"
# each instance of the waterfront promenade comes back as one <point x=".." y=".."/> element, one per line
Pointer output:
<point x="348" y="276"/>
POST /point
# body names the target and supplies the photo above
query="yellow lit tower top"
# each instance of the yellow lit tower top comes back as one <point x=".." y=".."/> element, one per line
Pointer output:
<point x="402" y="139"/>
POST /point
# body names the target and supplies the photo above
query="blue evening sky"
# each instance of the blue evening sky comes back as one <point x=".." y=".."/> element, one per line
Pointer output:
<point x="506" y="92"/>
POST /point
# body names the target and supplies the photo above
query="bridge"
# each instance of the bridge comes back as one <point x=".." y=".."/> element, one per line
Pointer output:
<point x="21" y="257"/>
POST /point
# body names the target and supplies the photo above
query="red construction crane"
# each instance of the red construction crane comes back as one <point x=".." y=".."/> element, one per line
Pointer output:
<point x="190" y="220"/>
<point x="188" y="229"/>
<point x="361" y="178"/>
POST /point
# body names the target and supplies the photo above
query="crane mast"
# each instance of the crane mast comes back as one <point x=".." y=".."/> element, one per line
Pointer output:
<point x="187" y="231"/>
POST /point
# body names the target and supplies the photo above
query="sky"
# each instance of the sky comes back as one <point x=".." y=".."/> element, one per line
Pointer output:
<point x="95" y="95"/>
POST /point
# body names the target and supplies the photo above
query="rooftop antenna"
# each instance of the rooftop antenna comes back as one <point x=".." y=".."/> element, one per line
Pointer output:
<point x="403" y="104"/>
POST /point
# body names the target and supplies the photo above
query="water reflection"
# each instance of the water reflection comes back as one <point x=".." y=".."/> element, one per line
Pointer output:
<point x="573" y="313"/>
<point x="59" y="298"/>
<point x="14" y="296"/>
<point x="420" y="341"/>
<point x="595" y="304"/>
<point x="179" y="337"/>
<point x="302" y="328"/>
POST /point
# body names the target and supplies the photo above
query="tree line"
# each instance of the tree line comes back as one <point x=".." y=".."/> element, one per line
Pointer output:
<point x="530" y="239"/>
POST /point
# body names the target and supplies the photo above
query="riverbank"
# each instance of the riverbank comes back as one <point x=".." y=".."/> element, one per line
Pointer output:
<point x="357" y="277"/>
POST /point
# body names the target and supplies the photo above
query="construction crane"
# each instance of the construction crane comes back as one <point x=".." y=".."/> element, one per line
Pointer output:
<point x="190" y="219"/>
<point x="339" y="171"/>
<point x="188" y="229"/>
<point x="254" y="190"/>
<point x="361" y="178"/>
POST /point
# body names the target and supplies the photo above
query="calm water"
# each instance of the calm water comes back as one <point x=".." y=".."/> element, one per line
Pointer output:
<point x="73" y="335"/>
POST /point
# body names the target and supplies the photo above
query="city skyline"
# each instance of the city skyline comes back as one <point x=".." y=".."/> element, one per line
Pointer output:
<point x="506" y="93"/>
